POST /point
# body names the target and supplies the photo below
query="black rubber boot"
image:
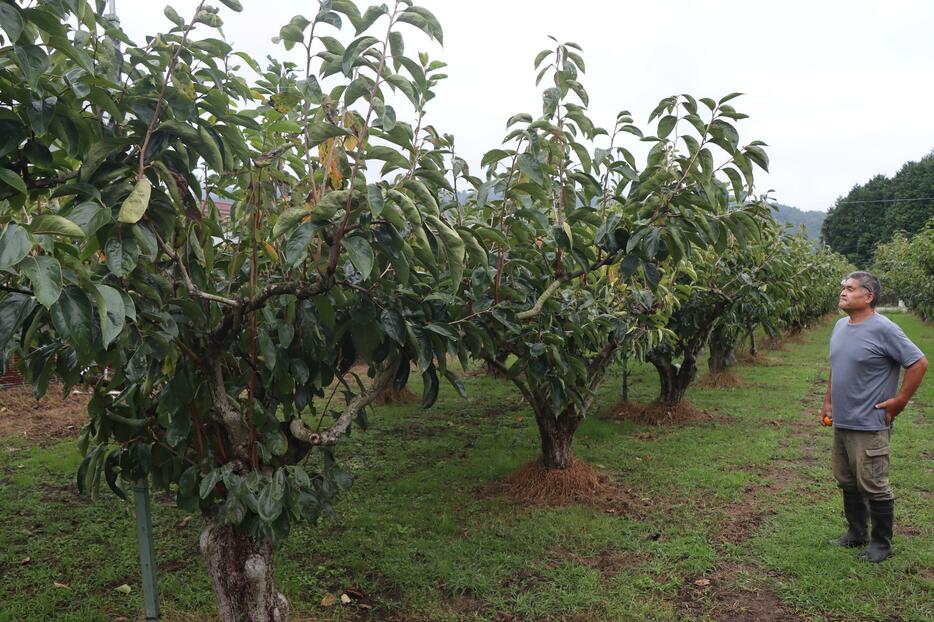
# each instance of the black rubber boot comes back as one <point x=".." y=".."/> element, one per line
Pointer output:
<point x="856" y="510"/>
<point x="880" y="545"/>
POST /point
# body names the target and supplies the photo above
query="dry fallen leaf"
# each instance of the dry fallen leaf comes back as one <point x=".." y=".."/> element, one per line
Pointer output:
<point x="365" y="606"/>
<point x="25" y="561"/>
<point x="123" y="589"/>
<point x="702" y="582"/>
<point x="183" y="523"/>
<point x="61" y="585"/>
<point x="329" y="600"/>
<point x="345" y="599"/>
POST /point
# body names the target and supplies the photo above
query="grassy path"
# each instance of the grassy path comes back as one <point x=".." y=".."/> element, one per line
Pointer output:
<point x="726" y="518"/>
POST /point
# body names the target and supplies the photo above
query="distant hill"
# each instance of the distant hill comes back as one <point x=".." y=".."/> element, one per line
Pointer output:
<point x="793" y="216"/>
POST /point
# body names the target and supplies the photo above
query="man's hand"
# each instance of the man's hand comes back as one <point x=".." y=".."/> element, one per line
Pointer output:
<point x="892" y="408"/>
<point x="826" y="412"/>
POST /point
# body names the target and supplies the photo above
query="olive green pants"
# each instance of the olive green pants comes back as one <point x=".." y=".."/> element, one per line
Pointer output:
<point x="861" y="462"/>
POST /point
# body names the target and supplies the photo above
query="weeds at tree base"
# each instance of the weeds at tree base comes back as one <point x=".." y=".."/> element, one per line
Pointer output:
<point x="722" y="380"/>
<point x="656" y="413"/>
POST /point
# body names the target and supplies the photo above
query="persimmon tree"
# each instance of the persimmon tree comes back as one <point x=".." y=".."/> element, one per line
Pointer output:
<point x="906" y="267"/>
<point x="581" y="237"/>
<point x="220" y="352"/>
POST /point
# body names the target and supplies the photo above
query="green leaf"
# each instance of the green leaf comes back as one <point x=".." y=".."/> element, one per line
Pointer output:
<point x="33" y="60"/>
<point x="393" y="325"/>
<point x="11" y="21"/>
<point x="550" y="99"/>
<point x="53" y="224"/>
<point x="100" y="151"/>
<point x="495" y="155"/>
<point x="329" y="204"/>
<point x="72" y="316"/>
<point x="14" y="245"/>
<point x="759" y="156"/>
<point x="530" y="166"/>
<point x="111" y="311"/>
<point x="666" y="124"/>
<point x="134" y="206"/>
<point x="209" y="482"/>
<point x="396" y="48"/>
<point x="540" y="57"/>
<point x="727" y="98"/>
<point x="456" y="382"/>
<point x="269" y="505"/>
<point x="361" y="254"/>
<point x="233" y="5"/>
<point x="424" y="20"/>
<point x="374" y="198"/>
<point x="353" y="52"/>
<point x="267" y="349"/>
<point x="387" y="154"/>
<point x="45" y="273"/>
<point x="14" y="310"/>
<point x="319" y="131"/>
<point x="288" y="220"/>
<point x="173" y="15"/>
<point x="296" y="248"/>
<point x="430" y="390"/>
<point x="12" y="179"/>
<point x="187" y="496"/>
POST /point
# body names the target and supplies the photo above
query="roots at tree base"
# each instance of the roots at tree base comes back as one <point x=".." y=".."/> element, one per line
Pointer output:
<point x="241" y="575"/>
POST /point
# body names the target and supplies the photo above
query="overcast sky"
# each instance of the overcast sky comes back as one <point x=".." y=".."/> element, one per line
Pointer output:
<point x="839" y="90"/>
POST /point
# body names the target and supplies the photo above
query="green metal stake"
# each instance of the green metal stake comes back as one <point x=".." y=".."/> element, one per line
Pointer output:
<point x="147" y="556"/>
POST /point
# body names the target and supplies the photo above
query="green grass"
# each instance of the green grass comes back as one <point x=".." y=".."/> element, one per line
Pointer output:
<point x="421" y="538"/>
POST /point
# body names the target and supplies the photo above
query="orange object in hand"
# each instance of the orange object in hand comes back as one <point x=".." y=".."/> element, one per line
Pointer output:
<point x="827" y="421"/>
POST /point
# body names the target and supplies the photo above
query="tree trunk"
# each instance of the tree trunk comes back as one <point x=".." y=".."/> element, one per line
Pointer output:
<point x="626" y="373"/>
<point x="557" y="434"/>
<point x="722" y="352"/>
<point x="753" y="350"/>
<point x="241" y="575"/>
<point x="674" y="379"/>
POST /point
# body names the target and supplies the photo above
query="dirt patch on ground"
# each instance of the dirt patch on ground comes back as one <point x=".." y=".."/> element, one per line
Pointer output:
<point x="657" y="414"/>
<point x="719" y="596"/>
<point x="722" y="380"/>
<point x="51" y="418"/>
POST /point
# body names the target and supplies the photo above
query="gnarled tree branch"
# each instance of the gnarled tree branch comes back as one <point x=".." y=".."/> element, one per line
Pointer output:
<point x="335" y="432"/>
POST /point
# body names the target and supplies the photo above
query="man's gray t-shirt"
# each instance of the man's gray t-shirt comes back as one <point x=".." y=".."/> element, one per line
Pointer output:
<point x="865" y="361"/>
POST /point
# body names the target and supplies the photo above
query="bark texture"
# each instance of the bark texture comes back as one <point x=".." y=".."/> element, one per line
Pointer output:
<point x="674" y="379"/>
<point x="557" y="434"/>
<point x="722" y="350"/>
<point x="241" y="575"/>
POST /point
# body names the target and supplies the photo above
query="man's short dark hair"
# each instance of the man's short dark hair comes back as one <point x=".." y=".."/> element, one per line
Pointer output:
<point x="870" y="282"/>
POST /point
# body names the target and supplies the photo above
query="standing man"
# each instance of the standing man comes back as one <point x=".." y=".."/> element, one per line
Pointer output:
<point x="867" y="351"/>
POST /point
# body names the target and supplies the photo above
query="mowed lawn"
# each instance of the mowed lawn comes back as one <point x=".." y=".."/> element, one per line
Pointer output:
<point x="723" y="518"/>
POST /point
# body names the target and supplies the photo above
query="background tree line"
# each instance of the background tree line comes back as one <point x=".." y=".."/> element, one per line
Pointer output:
<point x="871" y="213"/>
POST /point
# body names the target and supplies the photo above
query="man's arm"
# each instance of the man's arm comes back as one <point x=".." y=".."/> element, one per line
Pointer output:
<point x="826" y="410"/>
<point x="910" y="384"/>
